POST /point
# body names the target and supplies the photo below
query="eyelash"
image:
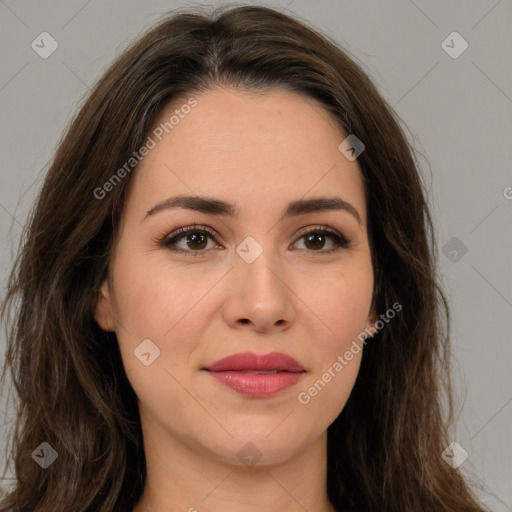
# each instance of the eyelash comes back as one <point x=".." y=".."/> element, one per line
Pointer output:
<point x="167" y="241"/>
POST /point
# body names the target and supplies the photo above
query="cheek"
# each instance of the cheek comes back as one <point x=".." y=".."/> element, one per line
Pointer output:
<point x="164" y="303"/>
<point x="151" y="306"/>
<point x="324" y="396"/>
<point x="342" y="300"/>
<point x="343" y="308"/>
<point x="145" y="308"/>
<point x="154" y="299"/>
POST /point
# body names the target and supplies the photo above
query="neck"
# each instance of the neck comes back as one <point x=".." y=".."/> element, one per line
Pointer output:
<point x="183" y="477"/>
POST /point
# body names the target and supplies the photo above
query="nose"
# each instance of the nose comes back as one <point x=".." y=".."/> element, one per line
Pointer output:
<point x="260" y="296"/>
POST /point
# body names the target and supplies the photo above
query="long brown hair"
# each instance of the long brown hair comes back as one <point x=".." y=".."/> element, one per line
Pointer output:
<point x="384" y="449"/>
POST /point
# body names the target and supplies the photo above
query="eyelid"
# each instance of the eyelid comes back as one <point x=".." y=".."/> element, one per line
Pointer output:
<point x="341" y="241"/>
<point x="165" y="241"/>
<point x="318" y="227"/>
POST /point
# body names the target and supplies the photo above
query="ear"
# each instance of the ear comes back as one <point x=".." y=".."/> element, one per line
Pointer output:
<point x="103" y="308"/>
<point x="372" y="319"/>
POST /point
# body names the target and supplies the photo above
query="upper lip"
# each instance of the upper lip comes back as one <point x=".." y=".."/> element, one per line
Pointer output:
<point x="253" y="362"/>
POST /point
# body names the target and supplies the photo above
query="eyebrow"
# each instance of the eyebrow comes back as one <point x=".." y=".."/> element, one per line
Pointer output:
<point x="211" y="206"/>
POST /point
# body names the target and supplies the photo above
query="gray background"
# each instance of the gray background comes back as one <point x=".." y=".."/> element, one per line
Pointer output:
<point x="459" y="112"/>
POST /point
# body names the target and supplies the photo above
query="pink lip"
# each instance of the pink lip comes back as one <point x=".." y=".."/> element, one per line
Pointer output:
<point x="252" y="362"/>
<point x="231" y="371"/>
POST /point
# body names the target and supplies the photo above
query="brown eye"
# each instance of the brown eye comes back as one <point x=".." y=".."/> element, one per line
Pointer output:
<point x="195" y="240"/>
<point x="315" y="240"/>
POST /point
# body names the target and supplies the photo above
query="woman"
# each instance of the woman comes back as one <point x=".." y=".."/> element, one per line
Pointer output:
<point x="226" y="298"/>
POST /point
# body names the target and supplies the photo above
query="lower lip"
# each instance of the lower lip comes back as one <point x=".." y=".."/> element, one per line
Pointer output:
<point x="257" y="385"/>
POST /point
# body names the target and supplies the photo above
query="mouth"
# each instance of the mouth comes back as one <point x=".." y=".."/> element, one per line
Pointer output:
<point x="257" y="376"/>
<point x="257" y="372"/>
<point x="257" y="383"/>
<point x="251" y="362"/>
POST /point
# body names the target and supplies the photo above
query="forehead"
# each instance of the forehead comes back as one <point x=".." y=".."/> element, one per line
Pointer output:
<point x="247" y="147"/>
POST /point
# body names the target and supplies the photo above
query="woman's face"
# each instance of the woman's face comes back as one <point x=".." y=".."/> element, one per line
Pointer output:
<point x="252" y="282"/>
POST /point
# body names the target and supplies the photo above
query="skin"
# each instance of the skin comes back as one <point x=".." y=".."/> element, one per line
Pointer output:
<point x="258" y="151"/>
